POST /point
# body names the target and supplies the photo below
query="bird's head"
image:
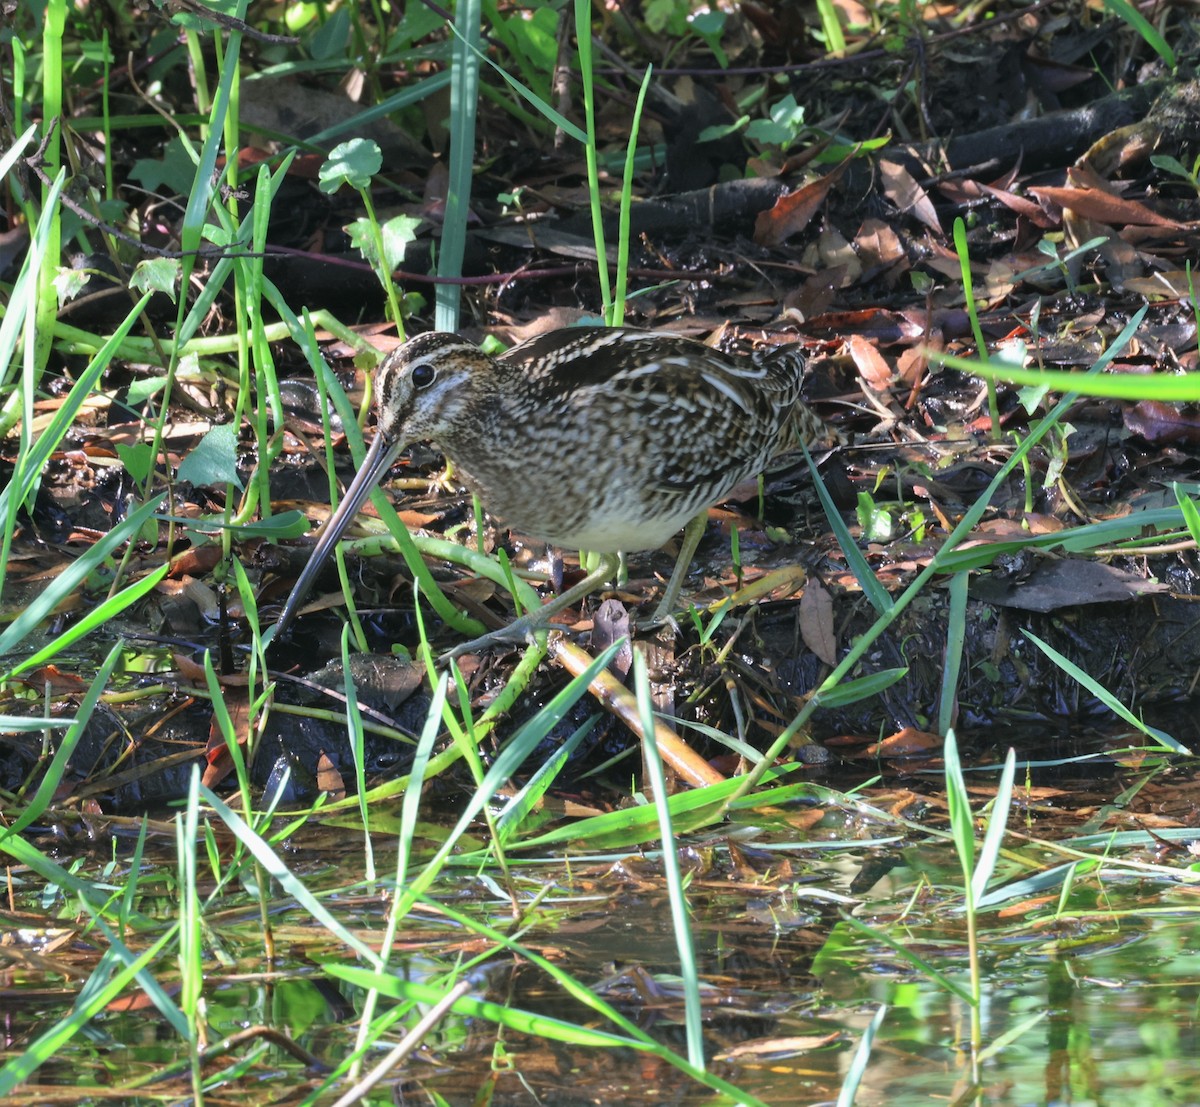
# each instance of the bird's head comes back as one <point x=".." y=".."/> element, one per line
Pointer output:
<point x="423" y="386"/>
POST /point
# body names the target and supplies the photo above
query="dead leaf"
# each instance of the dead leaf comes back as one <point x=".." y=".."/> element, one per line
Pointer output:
<point x="204" y="597"/>
<point x="195" y="562"/>
<point x="1170" y="286"/>
<point x="329" y="780"/>
<point x="901" y="188"/>
<point x="1162" y="424"/>
<point x="793" y="212"/>
<point x="997" y="283"/>
<point x="878" y="244"/>
<point x="194" y="674"/>
<point x="1035" y="213"/>
<point x="816" y="622"/>
<point x="59" y="682"/>
<point x="869" y="362"/>
<point x="1091" y="203"/>
<point x="778" y="1046"/>
<point x="836" y="253"/>
<point x="909" y="742"/>
<point x="1022" y="908"/>
<point x="816" y="294"/>
<point x="188" y="669"/>
<point x="551" y="319"/>
<point x="1070" y="582"/>
<point x="220" y="761"/>
<point x="1004" y="530"/>
<point x="912" y="363"/>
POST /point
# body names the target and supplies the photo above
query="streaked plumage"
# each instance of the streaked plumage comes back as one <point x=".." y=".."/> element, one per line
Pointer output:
<point x="605" y="439"/>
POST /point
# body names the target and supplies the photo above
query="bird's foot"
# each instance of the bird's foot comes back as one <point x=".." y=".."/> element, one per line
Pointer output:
<point x="522" y="631"/>
<point x="528" y="629"/>
<point x="666" y="617"/>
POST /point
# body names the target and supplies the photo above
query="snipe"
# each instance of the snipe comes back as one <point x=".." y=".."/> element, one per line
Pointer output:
<point x="592" y="438"/>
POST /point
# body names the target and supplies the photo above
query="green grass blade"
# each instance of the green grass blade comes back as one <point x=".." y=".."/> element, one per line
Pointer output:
<point x="514" y="753"/>
<point x="292" y="885"/>
<point x="618" y="314"/>
<point x="410" y="806"/>
<point x="831" y="27"/>
<point x="512" y="1018"/>
<point x="100" y="990"/>
<point x="464" y="95"/>
<point x="145" y="979"/>
<point x="53" y="109"/>
<point x="540" y="105"/>
<point x="528" y="797"/>
<point x="958" y="801"/>
<point x="1181" y="388"/>
<point x="96" y="895"/>
<point x="109" y="609"/>
<point x="862" y="1057"/>
<point x="1187" y="507"/>
<point x="31" y="461"/>
<point x="914" y="959"/>
<point x="583" y="37"/>
<point x="860" y="688"/>
<point x="956" y="636"/>
<point x="875" y="592"/>
<point x="1126" y="11"/>
<point x="355" y="124"/>
<point x="964" y="264"/>
<point x="52" y="778"/>
<point x="989" y="852"/>
<point x="22" y="296"/>
<point x="1106" y="697"/>
<point x="70" y="580"/>
<point x="205" y="180"/>
<point x="677" y="897"/>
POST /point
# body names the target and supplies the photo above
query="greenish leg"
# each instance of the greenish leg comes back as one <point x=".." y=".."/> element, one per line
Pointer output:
<point x="687" y="550"/>
<point x="605" y="571"/>
<point x="520" y="629"/>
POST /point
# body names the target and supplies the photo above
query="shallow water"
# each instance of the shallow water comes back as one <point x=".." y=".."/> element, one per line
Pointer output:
<point x="1089" y="995"/>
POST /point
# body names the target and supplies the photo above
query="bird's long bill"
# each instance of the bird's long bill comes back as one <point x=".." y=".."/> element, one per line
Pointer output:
<point x="377" y="462"/>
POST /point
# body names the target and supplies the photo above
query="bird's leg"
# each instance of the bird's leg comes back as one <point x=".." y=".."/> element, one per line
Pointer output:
<point x="520" y="629"/>
<point x="692" y="534"/>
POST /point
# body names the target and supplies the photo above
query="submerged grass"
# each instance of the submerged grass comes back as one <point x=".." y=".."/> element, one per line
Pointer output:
<point x="244" y="857"/>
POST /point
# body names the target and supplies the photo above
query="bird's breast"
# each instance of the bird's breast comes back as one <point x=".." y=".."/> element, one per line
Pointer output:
<point x="581" y="507"/>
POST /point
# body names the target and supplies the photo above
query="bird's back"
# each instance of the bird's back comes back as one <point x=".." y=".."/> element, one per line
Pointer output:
<point x="611" y="438"/>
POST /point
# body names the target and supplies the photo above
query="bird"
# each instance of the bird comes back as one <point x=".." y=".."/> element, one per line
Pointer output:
<point x="609" y="439"/>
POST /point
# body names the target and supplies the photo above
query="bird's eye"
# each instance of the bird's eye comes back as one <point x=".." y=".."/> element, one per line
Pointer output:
<point x="422" y="376"/>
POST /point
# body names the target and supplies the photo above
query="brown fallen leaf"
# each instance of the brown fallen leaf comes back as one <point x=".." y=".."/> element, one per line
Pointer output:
<point x="195" y="562"/>
<point x="901" y="187"/>
<point x="816" y="622"/>
<point x="793" y="212"/>
<point x="1091" y="203"/>
<point x="870" y="363"/>
<point x="878" y="244"/>
<point x="909" y="742"/>
<point x="194" y="673"/>
<point x="329" y="780"/>
<point x="220" y="761"/>
<point x="52" y="676"/>
<point x="1163" y="424"/>
<point x="1035" y="213"/>
<point x="912" y="363"/>
<point x="778" y="1046"/>
<point x="1054" y="584"/>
